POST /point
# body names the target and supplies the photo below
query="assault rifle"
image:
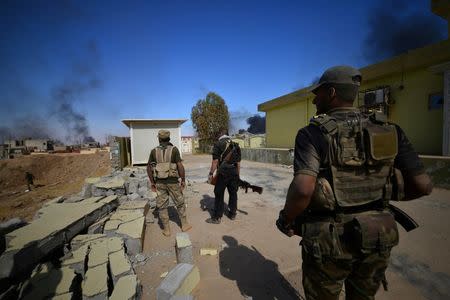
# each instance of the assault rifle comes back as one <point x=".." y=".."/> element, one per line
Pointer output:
<point x="245" y="185"/>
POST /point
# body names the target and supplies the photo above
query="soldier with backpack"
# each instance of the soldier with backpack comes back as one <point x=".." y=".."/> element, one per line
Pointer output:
<point x="167" y="177"/>
<point x="338" y="202"/>
<point x="226" y="159"/>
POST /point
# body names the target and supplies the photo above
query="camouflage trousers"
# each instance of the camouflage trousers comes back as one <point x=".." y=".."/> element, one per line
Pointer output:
<point x="163" y="191"/>
<point x="337" y="254"/>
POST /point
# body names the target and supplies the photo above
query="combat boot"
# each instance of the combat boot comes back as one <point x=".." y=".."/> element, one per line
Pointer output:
<point x="185" y="226"/>
<point x="166" y="229"/>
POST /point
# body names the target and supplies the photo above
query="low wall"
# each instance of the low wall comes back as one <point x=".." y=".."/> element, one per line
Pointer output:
<point x="438" y="167"/>
<point x="269" y="155"/>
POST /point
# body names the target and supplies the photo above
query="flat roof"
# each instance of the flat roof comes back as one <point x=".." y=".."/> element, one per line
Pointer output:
<point x="128" y="122"/>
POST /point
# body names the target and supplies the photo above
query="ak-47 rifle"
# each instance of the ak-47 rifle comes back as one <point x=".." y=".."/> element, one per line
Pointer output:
<point x="245" y="185"/>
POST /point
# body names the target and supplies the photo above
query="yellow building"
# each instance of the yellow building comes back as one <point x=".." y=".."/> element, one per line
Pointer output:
<point x="414" y="86"/>
<point x="257" y="141"/>
<point x="239" y="141"/>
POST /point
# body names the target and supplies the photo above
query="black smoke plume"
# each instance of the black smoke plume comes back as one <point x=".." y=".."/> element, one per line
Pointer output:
<point x="257" y="124"/>
<point x="29" y="127"/>
<point x="237" y="120"/>
<point x="83" y="79"/>
<point x="395" y="28"/>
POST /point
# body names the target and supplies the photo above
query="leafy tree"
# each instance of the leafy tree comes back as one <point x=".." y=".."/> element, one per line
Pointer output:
<point x="210" y="118"/>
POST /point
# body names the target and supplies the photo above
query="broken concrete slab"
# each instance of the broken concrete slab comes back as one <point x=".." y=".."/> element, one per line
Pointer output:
<point x="59" y="199"/>
<point x="127" y="288"/>
<point x="73" y="199"/>
<point x="119" y="265"/>
<point x="98" y="253"/>
<point x="76" y="259"/>
<point x="92" y="180"/>
<point x="95" y="284"/>
<point x="58" y="224"/>
<point x="132" y="186"/>
<point x="111" y="226"/>
<point x="84" y="239"/>
<point x="181" y="280"/>
<point x="113" y="184"/>
<point x="98" y="226"/>
<point x="141" y="205"/>
<point x="184" y="248"/>
<point x="133" y="234"/>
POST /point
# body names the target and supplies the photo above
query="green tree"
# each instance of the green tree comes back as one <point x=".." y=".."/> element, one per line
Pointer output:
<point x="210" y="117"/>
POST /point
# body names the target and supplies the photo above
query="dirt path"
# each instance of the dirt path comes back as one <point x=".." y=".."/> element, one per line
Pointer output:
<point x="55" y="175"/>
<point x="256" y="261"/>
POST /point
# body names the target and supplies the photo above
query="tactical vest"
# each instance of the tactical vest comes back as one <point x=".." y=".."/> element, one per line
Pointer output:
<point x="164" y="167"/>
<point x="360" y="163"/>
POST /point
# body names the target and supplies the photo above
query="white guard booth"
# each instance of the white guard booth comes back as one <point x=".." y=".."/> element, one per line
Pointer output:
<point x="144" y="136"/>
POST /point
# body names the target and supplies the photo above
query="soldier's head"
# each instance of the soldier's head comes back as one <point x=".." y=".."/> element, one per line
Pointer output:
<point x="164" y="136"/>
<point x="337" y="87"/>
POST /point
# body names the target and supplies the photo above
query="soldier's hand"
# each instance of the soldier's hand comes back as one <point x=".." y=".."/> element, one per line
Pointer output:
<point x="183" y="185"/>
<point x="153" y="187"/>
<point x="210" y="179"/>
<point x="283" y="226"/>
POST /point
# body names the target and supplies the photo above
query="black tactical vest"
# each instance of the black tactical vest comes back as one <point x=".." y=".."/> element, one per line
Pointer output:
<point x="361" y="154"/>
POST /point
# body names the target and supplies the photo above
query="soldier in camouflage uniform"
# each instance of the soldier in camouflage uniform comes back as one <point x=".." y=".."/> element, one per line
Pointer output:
<point x="339" y="198"/>
<point x="167" y="177"/>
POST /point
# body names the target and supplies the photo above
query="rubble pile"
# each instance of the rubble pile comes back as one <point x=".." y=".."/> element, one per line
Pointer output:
<point x="99" y="231"/>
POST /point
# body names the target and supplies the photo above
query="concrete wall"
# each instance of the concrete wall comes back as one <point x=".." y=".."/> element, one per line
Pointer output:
<point x="144" y="138"/>
<point x="257" y="142"/>
<point x="268" y="155"/>
<point x="439" y="170"/>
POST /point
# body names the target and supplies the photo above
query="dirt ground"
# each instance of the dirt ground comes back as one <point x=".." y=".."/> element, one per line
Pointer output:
<point x="55" y="175"/>
<point x="255" y="260"/>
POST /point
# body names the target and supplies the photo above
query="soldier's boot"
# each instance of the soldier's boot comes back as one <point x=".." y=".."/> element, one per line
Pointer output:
<point x="164" y="217"/>
<point x="166" y="229"/>
<point x="185" y="226"/>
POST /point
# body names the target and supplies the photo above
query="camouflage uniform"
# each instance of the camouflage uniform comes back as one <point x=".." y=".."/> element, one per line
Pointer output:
<point x="347" y="230"/>
<point x="168" y="186"/>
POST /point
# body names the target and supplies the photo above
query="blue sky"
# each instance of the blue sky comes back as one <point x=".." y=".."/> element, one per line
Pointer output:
<point x="155" y="59"/>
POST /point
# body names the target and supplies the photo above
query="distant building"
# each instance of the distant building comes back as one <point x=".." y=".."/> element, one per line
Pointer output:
<point x="144" y="136"/>
<point x="186" y="144"/>
<point x="38" y="145"/>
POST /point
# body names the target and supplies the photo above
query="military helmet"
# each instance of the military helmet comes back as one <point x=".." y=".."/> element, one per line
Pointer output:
<point x="342" y="75"/>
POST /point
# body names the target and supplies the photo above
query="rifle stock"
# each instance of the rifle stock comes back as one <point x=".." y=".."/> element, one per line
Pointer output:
<point x="403" y="218"/>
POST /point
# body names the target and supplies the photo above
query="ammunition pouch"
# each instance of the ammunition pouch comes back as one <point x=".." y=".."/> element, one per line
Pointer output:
<point x="321" y="240"/>
<point x="165" y="170"/>
<point x="164" y="167"/>
<point x="376" y="231"/>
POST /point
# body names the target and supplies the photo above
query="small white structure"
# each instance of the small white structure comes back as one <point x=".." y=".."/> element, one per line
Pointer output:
<point x="186" y="144"/>
<point x="144" y="136"/>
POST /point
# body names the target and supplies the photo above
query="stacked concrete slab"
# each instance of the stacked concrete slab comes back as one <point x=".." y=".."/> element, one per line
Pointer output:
<point x="57" y="224"/>
<point x="128" y="222"/>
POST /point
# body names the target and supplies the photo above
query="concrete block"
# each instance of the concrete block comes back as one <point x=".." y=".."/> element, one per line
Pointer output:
<point x="142" y="191"/>
<point x="184" y="248"/>
<point x="92" y="180"/>
<point x="180" y="281"/>
<point x="133" y="234"/>
<point x="98" y="253"/>
<point x="109" y="193"/>
<point x="127" y="288"/>
<point x="133" y="197"/>
<point x="208" y="251"/>
<point x="115" y="244"/>
<point x="86" y="190"/>
<point x="58" y="223"/>
<point x="95" y="284"/>
<point x="119" y="265"/>
<point x="123" y="199"/>
<point x="132" y="186"/>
